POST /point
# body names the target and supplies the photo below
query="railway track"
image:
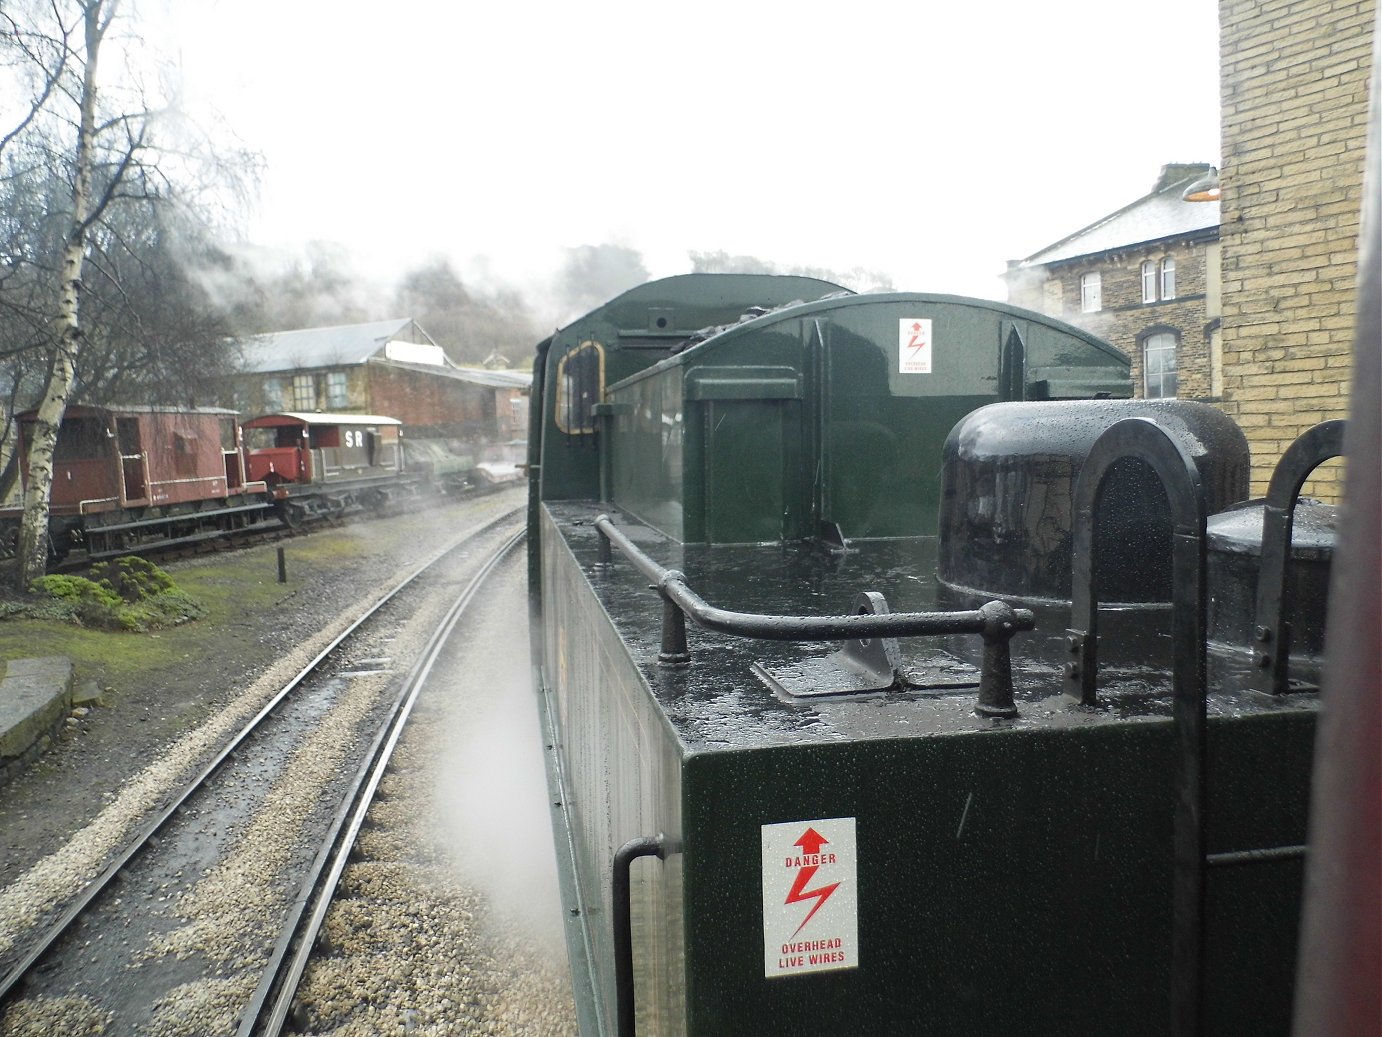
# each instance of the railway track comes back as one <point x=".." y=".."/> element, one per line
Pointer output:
<point x="269" y="528"/>
<point x="206" y="921"/>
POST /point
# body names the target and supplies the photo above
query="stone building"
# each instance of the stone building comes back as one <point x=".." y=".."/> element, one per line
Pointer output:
<point x="388" y="367"/>
<point x="1144" y="278"/>
<point x="1294" y="92"/>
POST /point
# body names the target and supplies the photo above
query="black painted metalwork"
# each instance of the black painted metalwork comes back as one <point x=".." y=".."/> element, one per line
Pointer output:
<point x="878" y="657"/>
<point x="1274" y="853"/>
<point x="1144" y="439"/>
<point x="1005" y="521"/>
<point x="1273" y="635"/>
<point x="621" y="916"/>
<point x="996" y="622"/>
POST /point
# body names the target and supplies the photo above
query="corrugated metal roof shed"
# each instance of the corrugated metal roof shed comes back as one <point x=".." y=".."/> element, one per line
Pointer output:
<point x="1158" y="215"/>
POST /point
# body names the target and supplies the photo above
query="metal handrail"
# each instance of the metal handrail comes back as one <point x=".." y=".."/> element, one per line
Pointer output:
<point x="621" y="921"/>
<point x="995" y="621"/>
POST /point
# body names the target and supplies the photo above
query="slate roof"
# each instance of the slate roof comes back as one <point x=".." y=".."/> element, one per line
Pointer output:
<point x="326" y="347"/>
<point x="1154" y="217"/>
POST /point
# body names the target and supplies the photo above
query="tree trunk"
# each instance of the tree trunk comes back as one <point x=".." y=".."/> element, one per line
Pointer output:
<point x="32" y="556"/>
<point x="33" y="530"/>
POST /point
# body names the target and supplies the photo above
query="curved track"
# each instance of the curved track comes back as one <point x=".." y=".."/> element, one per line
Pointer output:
<point x="103" y="912"/>
<point x="272" y="1005"/>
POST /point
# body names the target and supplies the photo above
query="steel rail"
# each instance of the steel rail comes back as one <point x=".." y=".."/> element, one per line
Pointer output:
<point x="94" y="888"/>
<point x="272" y="1003"/>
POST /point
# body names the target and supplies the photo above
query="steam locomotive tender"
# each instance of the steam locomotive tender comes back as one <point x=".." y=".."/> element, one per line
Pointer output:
<point x="898" y="673"/>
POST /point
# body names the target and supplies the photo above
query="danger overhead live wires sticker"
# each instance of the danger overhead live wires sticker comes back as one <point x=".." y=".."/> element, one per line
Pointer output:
<point x="810" y="897"/>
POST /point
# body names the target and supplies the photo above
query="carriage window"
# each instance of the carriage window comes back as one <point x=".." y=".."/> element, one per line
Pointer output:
<point x="80" y="439"/>
<point x="328" y="436"/>
<point x="580" y="384"/>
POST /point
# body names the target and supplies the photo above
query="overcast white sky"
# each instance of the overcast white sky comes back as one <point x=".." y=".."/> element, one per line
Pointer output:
<point x="930" y="141"/>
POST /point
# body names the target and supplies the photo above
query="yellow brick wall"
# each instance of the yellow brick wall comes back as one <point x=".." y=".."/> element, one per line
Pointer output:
<point x="1294" y="85"/>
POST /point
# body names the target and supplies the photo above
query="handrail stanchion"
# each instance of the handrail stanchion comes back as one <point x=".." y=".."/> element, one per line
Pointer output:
<point x="1144" y="439"/>
<point x="621" y="919"/>
<point x="1272" y="633"/>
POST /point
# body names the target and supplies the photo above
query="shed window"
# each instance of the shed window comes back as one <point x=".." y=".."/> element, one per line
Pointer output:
<point x="1159" y="366"/>
<point x="580" y="384"/>
<point x="304" y="392"/>
<point x="1091" y="296"/>
<point x="336" y="395"/>
<point x="273" y="393"/>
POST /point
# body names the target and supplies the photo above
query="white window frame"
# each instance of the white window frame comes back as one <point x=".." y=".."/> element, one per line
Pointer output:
<point x="1091" y="293"/>
<point x="1149" y="281"/>
<point x="304" y="392"/>
<point x="1168" y="278"/>
<point x="1155" y="384"/>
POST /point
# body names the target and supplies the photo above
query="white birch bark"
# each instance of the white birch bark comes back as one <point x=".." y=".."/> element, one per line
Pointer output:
<point x="33" y="534"/>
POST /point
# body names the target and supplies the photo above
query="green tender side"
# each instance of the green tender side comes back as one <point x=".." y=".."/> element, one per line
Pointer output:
<point x="831" y="415"/>
<point x="1012" y="877"/>
<point x="1009" y="882"/>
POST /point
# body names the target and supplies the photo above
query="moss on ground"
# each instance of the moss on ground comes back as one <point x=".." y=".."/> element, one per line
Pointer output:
<point x="224" y="588"/>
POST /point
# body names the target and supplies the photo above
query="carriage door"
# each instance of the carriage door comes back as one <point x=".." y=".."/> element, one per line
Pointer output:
<point x="132" y="460"/>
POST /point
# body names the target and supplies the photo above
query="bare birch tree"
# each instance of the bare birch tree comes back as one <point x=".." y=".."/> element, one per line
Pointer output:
<point x="62" y="45"/>
<point x="85" y="147"/>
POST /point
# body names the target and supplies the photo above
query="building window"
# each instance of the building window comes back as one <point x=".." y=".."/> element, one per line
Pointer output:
<point x="1159" y="280"/>
<point x="304" y="392"/>
<point x="1090" y="294"/>
<point x="1159" y="366"/>
<point x="1168" y="278"/>
<point x="336" y="394"/>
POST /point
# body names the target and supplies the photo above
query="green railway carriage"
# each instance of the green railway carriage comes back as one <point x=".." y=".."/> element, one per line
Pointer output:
<point x="802" y="781"/>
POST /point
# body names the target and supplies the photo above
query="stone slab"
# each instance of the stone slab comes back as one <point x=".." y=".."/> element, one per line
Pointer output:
<point x="35" y="696"/>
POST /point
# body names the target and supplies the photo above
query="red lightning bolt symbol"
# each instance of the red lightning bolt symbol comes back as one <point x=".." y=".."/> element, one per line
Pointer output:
<point x="810" y="843"/>
<point x="913" y="343"/>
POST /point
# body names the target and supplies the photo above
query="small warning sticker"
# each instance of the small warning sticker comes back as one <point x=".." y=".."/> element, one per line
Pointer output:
<point x="810" y="899"/>
<point x="914" y="345"/>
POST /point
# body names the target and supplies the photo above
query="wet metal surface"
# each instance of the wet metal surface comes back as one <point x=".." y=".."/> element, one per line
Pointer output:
<point x="718" y="702"/>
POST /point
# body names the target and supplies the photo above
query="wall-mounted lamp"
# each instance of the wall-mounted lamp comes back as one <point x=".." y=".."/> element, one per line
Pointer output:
<point x="1205" y="189"/>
